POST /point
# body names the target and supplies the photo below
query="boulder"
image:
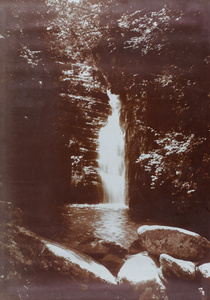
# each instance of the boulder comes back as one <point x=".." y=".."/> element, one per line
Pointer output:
<point x="93" y="248"/>
<point x="115" y="249"/>
<point x="113" y="263"/>
<point x="31" y="250"/>
<point x="98" y="248"/>
<point x="135" y="247"/>
<point x="177" y="268"/>
<point x="177" y="242"/>
<point x="77" y="265"/>
<point x="203" y="272"/>
<point x="141" y="272"/>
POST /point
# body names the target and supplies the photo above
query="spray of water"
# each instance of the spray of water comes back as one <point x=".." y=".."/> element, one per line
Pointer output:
<point x="111" y="156"/>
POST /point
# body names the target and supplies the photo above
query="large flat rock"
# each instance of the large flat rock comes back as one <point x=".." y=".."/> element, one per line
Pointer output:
<point x="177" y="242"/>
<point x="79" y="265"/>
<point x="32" y="250"/>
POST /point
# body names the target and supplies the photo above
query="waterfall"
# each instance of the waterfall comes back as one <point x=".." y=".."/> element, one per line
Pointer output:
<point x="111" y="155"/>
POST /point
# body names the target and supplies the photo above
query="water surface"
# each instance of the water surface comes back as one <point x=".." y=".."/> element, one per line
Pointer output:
<point x="106" y="221"/>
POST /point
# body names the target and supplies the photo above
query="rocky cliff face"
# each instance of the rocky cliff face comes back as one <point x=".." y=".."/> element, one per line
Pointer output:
<point x="82" y="102"/>
<point x="29" y="89"/>
<point x="159" y="58"/>
<point x="155" y="56"/>
<point x="55" y="102"/>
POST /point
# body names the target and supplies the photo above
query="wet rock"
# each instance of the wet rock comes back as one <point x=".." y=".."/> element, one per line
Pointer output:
<point x="135" y="247"/>
<point x="31" y="250"/>
<point x="204" y="271"/>
<point x="98" y="249"/>
<point x="141" y="272"/>
<point x="113" y="263"/>
<point x="93" y="248"/>
<point x="177" y="268"/>
<point x="76" y="264"/>
<point x="176" y="242"/>
<point x="182" y="289"/>
<point x="115" y="249"/>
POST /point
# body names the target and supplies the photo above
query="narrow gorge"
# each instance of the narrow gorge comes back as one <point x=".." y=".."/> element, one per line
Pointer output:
<point x="155" y="58"/>
<point x="105" y="124"/>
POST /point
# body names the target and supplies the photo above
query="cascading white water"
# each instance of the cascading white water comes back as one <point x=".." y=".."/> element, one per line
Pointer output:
<point x="111" y="156"/>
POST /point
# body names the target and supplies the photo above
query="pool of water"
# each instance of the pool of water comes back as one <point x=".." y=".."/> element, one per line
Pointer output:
<point x="105" y="221"/>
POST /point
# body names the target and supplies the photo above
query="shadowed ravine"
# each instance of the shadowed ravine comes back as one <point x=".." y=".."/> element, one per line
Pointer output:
<point x="105" y="126"/>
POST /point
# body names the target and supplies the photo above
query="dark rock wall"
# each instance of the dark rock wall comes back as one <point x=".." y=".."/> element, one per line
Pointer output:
<point x="54" y="103"/>
<point x="81" y="102"/>
<point x="159" y="57"/>
<point x="29" y="92"/>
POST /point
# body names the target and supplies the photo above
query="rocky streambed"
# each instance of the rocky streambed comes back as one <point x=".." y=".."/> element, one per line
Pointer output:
<point x="162" y="263"/>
